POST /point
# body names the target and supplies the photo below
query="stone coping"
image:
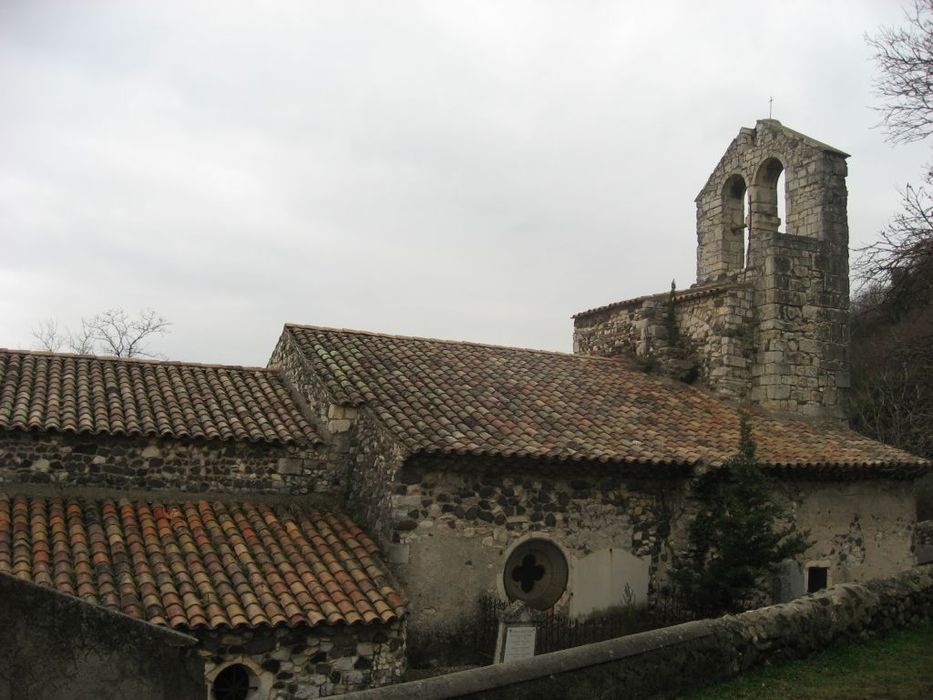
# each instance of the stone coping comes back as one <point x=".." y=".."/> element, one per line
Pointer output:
<point x="488" y="677"/>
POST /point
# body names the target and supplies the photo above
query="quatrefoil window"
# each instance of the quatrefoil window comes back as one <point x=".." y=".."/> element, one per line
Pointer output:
<point x="536" y="574"/>
<point x="528" y="574"/>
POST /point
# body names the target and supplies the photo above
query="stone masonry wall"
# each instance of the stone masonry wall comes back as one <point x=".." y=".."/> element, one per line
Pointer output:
<point x="358" y="445"/>
<point x="799" y="271"/>
<point x="815" y="198"/>
<point x="802" y="328"/>
<point x="711" y="341"/>
<point x="293" y="664"/>
<point x="377" y="459"/>
<point x="162" y="463"/>
<point x="334" y="422"/>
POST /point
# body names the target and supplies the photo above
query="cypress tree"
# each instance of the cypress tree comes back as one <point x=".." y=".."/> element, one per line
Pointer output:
<point x="739" y="536"/>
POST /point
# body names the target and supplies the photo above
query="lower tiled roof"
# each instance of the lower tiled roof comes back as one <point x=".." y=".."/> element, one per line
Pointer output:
<point x="460" y="398"/>
<point x="197" y="564"/>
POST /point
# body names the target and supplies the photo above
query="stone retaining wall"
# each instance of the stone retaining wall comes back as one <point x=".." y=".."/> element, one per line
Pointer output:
<point x="669" y="661"/>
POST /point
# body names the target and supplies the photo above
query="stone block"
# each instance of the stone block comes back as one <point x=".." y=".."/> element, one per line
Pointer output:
<point x="778" y="392"/>
<point x="290" y="465"/>
<point x="340" y="425"/>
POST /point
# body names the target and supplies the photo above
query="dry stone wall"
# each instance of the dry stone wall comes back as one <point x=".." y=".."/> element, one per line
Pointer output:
<point x="162" y="463"/>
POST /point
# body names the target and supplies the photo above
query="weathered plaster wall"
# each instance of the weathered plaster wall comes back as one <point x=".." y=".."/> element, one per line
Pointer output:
<point x="55" y="646"/>
<point x="461" y="519"/>
<point x="861" y="529"/>
<point x="292" y="664"/>
<point x="464" y="522"/>
<point x="162" y="463"/>
<point x="668" y="662"/>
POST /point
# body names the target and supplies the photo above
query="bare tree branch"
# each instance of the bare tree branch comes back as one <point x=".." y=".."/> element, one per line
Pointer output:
<point x="112" y="332"/>
<point x="80" y="341"/>
<point x="48" y="336"/>
<point x="901" y="262"/>
<point x="904" y="56"/>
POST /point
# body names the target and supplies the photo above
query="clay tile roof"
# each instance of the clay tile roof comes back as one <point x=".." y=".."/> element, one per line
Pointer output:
<point x="196" y="564"/>
<point x="465" y="398"/>
<point x="113" y="396"/>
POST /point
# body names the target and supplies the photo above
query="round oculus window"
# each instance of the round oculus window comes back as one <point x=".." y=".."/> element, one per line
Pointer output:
<point x="536" y="574"/>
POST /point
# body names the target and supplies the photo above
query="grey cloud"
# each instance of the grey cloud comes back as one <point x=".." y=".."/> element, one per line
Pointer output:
<point x="474" y="170"/>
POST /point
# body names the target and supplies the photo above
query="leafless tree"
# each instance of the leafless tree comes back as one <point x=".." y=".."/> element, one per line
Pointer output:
<point x="49" y="336"/>
<point x="900" y="262"/>
<point x="112" y="332"/>
<point x="904" y="56"/>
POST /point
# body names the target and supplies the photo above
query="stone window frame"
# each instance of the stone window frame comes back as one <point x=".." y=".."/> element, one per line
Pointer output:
<point x="548" y="538"/>
<point x="264" y="679"/>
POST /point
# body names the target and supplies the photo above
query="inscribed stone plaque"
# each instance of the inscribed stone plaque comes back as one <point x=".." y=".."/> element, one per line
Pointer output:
<point x="519" y="642"/>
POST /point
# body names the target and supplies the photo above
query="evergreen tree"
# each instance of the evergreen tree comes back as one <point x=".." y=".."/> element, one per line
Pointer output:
<point x="739" y="536"/>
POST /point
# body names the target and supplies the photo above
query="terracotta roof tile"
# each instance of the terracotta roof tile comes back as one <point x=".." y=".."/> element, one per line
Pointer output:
<point x="196" y="564"/>
<point x="466" y="398"/>
<point x="113" y="396"/>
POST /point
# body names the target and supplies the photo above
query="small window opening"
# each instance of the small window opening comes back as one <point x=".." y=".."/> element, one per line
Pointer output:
<point x="817" y="577"/>
<point x="235" y="682"/>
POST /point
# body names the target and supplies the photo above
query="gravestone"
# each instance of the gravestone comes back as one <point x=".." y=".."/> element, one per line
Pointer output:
<point x="518" y="626"/>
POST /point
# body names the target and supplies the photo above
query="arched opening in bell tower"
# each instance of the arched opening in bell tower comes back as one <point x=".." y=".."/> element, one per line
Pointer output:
<point x="735" y="223"/>
<point x="768" y="197"/>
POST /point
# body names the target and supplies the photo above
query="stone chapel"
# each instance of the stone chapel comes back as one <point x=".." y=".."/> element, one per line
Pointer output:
<point x="318" y="523"/>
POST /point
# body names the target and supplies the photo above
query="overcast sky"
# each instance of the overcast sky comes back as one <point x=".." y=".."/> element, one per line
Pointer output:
<point x="464" y="170"/>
